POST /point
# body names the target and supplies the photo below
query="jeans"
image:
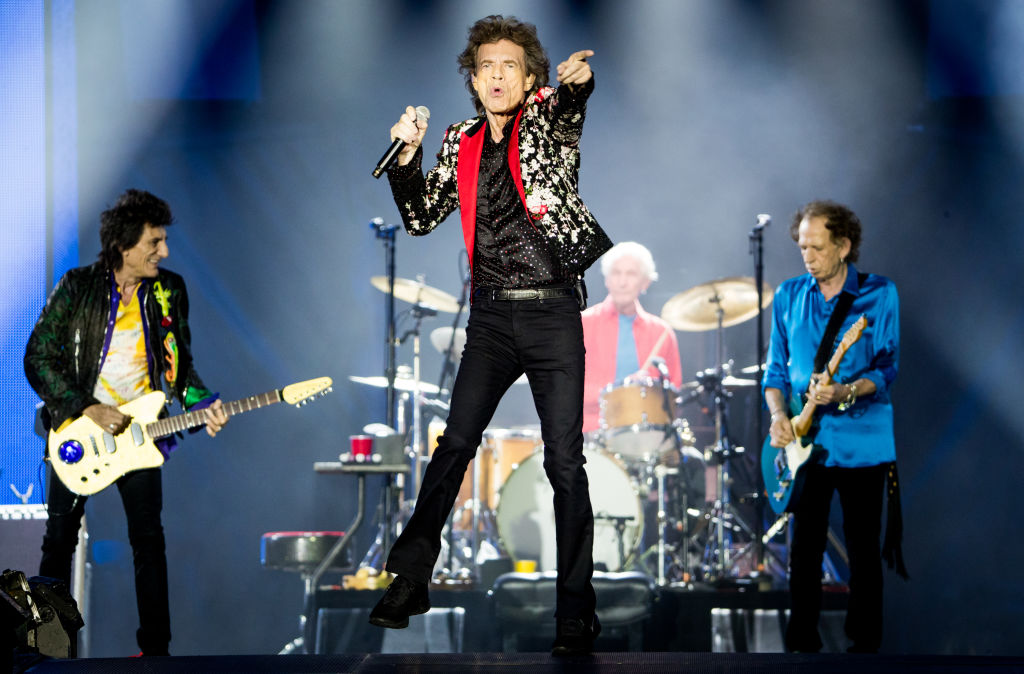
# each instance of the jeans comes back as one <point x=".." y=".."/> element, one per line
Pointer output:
<point x="544" y="339"/>
<point x="861" y="492"/>
<point x="142" y="496"/>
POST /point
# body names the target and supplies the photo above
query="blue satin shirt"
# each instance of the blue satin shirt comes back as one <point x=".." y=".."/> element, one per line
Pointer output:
<point x="863" y="434"/>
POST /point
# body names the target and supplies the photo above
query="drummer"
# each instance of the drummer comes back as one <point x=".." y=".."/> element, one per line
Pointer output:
<point x="622" y="340"/>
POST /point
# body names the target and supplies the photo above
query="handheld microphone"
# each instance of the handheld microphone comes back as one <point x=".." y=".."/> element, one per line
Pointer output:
<point x="763" y="220"/>
<point x="422" y="115"/>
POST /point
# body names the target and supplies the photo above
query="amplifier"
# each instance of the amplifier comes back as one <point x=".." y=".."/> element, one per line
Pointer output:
<point x="21" y="535"/>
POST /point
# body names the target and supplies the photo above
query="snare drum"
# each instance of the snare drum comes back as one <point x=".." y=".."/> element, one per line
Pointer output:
<point x="637" y="417"/>
<point x="526" y="513"/>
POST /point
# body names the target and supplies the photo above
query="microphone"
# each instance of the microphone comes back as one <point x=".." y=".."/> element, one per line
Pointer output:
<point x="422" y="115"/>
<point x="662" y="367"/>
<point x="763" y="220"/>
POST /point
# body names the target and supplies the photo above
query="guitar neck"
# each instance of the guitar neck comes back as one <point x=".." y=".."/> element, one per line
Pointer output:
<point x="183" y="422"/>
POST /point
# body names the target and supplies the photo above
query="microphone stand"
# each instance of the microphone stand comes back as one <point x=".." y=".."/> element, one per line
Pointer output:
<point x="757" y="250"/>
<point x="386" y="233"/>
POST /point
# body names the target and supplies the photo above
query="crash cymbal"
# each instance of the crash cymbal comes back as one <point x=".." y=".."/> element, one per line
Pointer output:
<point x="401" y="384"/>
<point x="440" y="338"/>
<point x="415" y="292"/>
<point x="695" y="310"/>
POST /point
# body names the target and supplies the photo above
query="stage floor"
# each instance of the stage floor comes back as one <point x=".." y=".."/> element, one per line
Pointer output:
<point x="538" y="663"/>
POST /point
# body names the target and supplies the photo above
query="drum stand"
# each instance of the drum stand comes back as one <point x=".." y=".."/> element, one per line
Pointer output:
<point x="676" y="561"/>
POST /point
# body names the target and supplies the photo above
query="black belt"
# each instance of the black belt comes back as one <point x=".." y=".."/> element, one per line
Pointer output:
<point x="524" y="293"/>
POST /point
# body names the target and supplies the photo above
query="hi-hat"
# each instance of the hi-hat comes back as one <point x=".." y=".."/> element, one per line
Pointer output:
<point x="415" y="292"/>
<point x="401" y="384"/>
<point x="440" y="338"/>
<point x="696" y="309"/>
<point x="728" y="381"/>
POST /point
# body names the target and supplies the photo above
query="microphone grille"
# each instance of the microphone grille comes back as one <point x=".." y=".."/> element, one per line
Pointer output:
<point x="422" y="112"/>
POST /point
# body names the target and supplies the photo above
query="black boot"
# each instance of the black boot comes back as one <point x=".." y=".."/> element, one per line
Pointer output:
<point x="402" y="599"/>
<point x="575" y="637"/>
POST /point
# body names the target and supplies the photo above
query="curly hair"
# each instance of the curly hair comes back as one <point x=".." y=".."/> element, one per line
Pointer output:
<point x="121" y="225"/>
<point x="841" y="222"/>
<point x="494" y="28"/>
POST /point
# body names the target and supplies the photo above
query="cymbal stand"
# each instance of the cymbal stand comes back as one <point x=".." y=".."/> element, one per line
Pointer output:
<point x="417" y="449"/>
<point x="724" y="521"/>
<point x="447" y="380"/>
<point x="390" y="508"/>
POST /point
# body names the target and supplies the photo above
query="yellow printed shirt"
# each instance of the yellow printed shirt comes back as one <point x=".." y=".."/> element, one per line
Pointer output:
<point x="124" y="375"/>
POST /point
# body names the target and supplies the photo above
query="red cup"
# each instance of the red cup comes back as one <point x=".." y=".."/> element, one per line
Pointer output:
<point x="361" y="447"/>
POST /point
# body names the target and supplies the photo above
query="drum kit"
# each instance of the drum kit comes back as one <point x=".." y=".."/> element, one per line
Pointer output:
<point x="660" y="505"/>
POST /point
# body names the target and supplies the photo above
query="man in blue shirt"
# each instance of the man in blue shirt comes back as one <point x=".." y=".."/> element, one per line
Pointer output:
<point x="853" y="429"/>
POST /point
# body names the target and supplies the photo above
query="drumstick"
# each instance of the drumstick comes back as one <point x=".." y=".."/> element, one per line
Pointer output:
<point x="657" y="345"/>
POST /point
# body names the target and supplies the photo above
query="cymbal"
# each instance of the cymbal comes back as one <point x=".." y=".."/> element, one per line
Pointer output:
<point x="401" y="384"/>
<point x="442" y="337"/>
<point x="696" y="309"/>
<point x="415" y="292"/>
<point x="728" y="381"/>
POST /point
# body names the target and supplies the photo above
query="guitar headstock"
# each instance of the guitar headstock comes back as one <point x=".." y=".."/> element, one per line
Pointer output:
<point x="301" y="392"/>
<point x="855" y="331"/>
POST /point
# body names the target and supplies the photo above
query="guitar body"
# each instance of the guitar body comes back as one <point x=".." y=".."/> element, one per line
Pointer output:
<point x="784" y="471"/>
<point x="87" y="459"/>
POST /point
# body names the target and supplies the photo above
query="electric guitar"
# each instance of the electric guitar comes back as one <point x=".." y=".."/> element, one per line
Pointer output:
<point x="88" y="459"/>
<point x="783" y="469"/>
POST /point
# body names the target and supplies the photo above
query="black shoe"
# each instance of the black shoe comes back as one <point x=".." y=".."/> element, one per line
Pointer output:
<point x="402" y="599"/>
<point x="575" y="637"/>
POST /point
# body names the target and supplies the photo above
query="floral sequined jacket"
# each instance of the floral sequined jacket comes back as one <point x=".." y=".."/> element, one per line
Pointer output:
<point x="69" y="341"/>
<point x="545" y="168"/>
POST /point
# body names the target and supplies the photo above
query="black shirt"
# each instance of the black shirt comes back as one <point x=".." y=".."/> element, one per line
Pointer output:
<point x="509" y="251"/>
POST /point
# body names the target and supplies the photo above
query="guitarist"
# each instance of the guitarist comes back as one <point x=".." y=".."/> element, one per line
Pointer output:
<point x="853" y="429"/>
<point x="110" y="333"/>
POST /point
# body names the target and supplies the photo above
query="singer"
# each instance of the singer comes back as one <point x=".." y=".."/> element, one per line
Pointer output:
<point x="512" y="173"/>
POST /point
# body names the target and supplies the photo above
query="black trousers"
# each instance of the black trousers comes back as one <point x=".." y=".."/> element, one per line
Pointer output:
<point x="544" y="339"/>
<point x="142" y="496"/>
<point x="861" y="492"/>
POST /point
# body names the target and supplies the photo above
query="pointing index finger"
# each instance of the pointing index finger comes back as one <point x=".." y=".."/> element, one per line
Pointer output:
<point x="582" y="55"/>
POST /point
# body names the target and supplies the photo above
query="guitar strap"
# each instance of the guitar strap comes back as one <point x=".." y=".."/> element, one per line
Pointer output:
<point x="835" y="321"/>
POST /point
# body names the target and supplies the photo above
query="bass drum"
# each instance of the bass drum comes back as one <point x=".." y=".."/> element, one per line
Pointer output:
<point x="526" y="515"/>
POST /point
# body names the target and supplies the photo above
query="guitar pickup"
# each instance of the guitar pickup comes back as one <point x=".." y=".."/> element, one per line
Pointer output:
<point x="95" y="448"/>
<point x="137" y="435"/>
<point x="781" y="466"/>
<point x="109" y="443"/>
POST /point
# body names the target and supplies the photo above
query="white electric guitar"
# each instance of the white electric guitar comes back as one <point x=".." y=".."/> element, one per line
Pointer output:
<point x="88" y="459"/>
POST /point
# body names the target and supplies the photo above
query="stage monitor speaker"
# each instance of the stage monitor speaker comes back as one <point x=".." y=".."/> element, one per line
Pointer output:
<point x="347" y="630"/>
<point x="763" y="630"/>
<point x="21" y="537"/>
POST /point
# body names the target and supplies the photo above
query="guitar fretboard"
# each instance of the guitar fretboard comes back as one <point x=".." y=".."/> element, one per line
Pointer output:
<point x="183" y="422"/>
